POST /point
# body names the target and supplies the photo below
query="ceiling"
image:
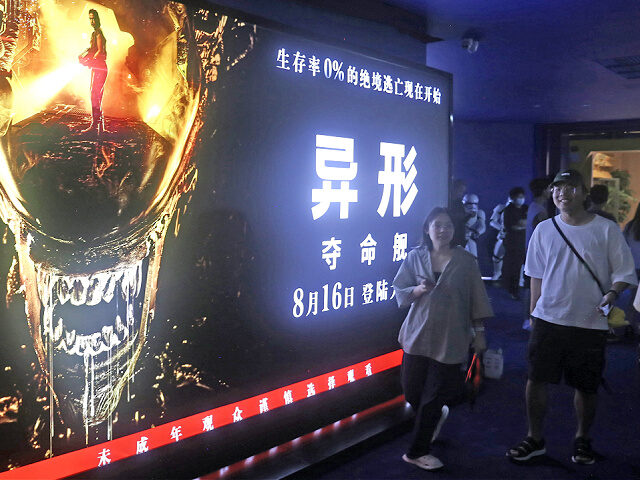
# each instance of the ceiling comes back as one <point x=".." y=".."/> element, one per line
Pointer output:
<point x="537" y="60"/>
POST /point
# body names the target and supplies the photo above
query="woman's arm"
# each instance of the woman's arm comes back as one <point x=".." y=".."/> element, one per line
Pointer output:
<point x="479" y="343"/>
<point x="406" y="284"/>
<point x="480" y="309"/>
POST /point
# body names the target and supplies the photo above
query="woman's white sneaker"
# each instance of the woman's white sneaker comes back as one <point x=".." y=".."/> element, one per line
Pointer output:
<point x="426" y="462"/>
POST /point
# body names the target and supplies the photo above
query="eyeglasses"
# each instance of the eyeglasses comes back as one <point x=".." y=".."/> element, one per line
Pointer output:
<point x="566" y="189"/>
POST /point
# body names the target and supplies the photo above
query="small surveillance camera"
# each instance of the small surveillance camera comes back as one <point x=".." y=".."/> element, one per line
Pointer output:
<point x="470" y="44"/>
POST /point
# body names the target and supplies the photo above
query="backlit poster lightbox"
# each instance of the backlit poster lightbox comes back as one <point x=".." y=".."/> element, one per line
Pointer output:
<point x="203" y="219"/>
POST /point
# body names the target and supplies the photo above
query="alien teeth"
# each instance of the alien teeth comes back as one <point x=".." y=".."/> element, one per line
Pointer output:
<point x="95" y="289"/>
<point x="70" y="337"/>
<point x="73" y="343"/>
<point x="55" y="289"/>
<point x="79" y="291"/>
<point x="89" y="289"/>
<point x="107" y="333"/>
<point x="58" y="331"/>
<point x="62" y="291"/>
<point x="109" y="289"/>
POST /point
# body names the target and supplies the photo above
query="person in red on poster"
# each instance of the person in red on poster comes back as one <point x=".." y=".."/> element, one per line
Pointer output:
<point x="441" y="284"/>
<point x="95" y="57"/>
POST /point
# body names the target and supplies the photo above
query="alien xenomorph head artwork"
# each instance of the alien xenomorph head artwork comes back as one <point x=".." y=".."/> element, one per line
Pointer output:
<point x="89" y="210"/>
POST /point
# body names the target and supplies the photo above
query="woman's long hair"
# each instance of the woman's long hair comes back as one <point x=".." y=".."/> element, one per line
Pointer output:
<point x="426" y="240"/>
<point x="633" y="227"/>
<point x="96" y="17"/>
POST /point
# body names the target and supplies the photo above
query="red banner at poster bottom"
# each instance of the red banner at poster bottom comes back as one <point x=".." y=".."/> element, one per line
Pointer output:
<point x="141" y="442"/>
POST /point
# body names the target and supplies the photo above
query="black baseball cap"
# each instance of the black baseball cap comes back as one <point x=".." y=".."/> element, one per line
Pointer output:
<point x="572" y="177"/>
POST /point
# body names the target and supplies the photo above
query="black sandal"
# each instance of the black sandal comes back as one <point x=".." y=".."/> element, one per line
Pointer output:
<point x="527" y="449"/>
<point x="583" y="454"/>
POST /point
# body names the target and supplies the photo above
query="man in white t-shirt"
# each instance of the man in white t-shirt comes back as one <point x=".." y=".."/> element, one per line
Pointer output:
<point x="569" y="328"/>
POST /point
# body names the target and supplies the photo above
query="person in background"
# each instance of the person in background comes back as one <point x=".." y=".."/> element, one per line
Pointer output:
<point x="597" y="201"/>
<point x="599" y="196"/>
<point x="631" y="234"/>
<point x="496" y="248"/>
<point x="536" y="213"/>
<point x="515" y="224"/>
<point x="537" y="210"/>
<point x="456" y="210"/>
<point x="568" y="338"/>
<point x="441" y="284"/>
<point x="475" y="223"/>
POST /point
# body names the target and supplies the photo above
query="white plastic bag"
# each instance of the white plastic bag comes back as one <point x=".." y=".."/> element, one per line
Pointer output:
<point x="493" y="363"/>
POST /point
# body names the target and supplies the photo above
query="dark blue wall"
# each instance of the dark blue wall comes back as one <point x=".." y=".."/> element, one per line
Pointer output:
<point x="492" y="158"/>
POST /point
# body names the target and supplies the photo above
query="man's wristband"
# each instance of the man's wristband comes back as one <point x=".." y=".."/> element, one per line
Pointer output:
<point x="617" y="294"/>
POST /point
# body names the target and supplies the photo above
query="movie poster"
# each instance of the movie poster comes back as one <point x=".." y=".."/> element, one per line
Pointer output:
<point x="196" y="209"/>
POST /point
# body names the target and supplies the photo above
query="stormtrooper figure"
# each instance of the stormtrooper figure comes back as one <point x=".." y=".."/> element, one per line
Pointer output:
<point x="497" y="250"/>
<point x="475" y="223"/>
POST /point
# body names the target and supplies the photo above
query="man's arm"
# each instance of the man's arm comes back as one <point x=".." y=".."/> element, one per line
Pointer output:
<point x="620" y="264"/>
<point x="612" y="295"/>
<point x="536" y="291"/>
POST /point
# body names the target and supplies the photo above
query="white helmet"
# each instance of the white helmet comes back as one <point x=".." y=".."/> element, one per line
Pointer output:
<point x="470" y="198"/>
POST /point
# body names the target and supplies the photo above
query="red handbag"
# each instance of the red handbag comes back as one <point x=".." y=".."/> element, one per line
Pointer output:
<point x="474" y="379"/>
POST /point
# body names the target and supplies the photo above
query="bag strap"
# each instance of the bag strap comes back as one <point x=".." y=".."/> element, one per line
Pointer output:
<point x="573" y="249"/>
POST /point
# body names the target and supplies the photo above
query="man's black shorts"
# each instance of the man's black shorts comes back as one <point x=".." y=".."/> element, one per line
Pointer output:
<point x="578" y="354"/>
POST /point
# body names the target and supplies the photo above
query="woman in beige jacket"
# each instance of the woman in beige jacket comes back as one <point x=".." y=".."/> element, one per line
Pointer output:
<point x="448" y="302"/>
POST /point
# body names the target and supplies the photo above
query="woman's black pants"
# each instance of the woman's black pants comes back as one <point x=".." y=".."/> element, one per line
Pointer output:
<point x="428" y="385"/>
